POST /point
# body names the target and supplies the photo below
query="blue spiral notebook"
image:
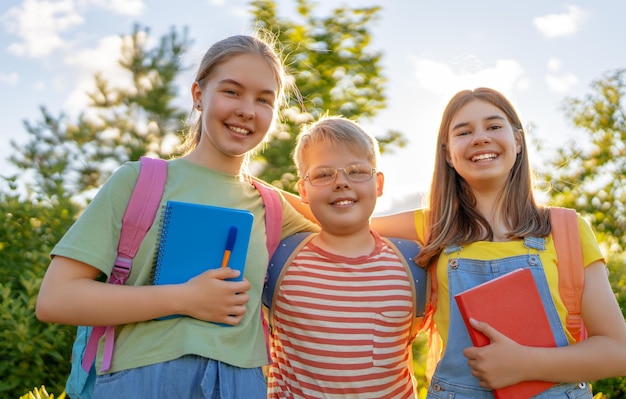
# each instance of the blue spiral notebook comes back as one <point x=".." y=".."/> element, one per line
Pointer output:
<point x="195" y="238"/>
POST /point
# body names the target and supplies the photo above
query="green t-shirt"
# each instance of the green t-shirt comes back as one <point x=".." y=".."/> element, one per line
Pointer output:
<point x="94" y="237"/>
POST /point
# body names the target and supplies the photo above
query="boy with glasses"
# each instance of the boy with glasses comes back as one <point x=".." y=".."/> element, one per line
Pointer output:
<point x="343" y="310"/>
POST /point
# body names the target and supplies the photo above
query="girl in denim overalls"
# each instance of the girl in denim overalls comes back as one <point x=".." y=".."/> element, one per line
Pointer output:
<point x="483" y="222"/>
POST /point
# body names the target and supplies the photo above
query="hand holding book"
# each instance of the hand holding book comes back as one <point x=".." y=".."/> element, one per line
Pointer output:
<point x="492" y="364"/>
<point x="213" y="296"/>
<point x="195" y="238"/>
<point x="512" y="306"/>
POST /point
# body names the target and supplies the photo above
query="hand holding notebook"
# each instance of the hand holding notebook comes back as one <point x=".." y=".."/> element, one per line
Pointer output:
<point x="195" y="238"/>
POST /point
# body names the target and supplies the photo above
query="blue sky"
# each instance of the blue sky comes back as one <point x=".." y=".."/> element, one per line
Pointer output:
<point x="537" y="52"/>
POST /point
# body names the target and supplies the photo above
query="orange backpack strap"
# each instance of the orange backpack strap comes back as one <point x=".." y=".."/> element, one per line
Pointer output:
<point x="570" y="266"/>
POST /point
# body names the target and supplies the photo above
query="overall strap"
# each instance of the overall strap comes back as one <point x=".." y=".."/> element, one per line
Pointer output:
<point x="570" y="266"/>
<point x="138" y="218"/>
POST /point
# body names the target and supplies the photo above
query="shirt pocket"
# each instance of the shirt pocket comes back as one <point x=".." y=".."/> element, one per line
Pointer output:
<point x="390" y="338"/>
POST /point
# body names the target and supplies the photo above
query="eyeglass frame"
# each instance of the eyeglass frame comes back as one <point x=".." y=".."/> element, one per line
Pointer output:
<point x="372" y="171"/>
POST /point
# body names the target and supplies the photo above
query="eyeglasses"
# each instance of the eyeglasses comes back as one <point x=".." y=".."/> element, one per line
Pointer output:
<point x="355" y="173"/>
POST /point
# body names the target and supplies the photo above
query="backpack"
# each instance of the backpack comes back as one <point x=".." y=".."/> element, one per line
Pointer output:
<point x="138" y="218"/>
<point x="571" y="272"/>
<point x="406" y="250"/>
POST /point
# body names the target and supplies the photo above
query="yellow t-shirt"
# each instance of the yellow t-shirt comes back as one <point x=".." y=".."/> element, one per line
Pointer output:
<point x="485" y="250"/>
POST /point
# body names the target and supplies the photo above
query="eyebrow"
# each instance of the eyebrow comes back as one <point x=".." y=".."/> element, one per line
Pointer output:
<point x="489" y="118"/>
<point x="234" y="82"/>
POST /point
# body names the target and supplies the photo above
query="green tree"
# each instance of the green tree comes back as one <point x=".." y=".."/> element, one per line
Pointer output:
<point x="31" y="352"/>
<point x="335" y="70"/>
<point x="68" y="158"/>
<point x="589" y="175"/>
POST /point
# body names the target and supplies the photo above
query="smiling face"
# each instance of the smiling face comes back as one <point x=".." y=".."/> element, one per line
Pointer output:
<point x="237" y="103"/>
<point x="343" y="206"/>
<point x="482" y="145"/>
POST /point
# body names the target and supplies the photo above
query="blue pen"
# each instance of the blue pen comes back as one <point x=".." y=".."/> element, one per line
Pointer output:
<point x="230" y="244"/>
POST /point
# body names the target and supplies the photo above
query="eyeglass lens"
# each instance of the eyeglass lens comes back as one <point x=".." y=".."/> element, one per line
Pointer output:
<point x="354" y="173"/>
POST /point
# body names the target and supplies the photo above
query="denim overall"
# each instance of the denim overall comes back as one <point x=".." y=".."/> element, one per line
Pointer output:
<point x="452" y="378"/>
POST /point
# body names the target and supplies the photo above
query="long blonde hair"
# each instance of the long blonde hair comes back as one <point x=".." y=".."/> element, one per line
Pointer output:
<point x="452" y="215"/>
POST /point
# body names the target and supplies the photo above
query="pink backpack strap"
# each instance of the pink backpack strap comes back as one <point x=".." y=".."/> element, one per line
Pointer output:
<point x="570" y="266"/>
<point x="273" y="229"/>
<point x="273" y="214"/>
<point x="138" y="218"/>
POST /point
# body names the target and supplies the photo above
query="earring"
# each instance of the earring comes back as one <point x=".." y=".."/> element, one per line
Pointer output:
<point x="198" y="106"/>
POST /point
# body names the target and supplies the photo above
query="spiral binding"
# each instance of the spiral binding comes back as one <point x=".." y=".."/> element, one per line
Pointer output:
<point x="158" y="256"/>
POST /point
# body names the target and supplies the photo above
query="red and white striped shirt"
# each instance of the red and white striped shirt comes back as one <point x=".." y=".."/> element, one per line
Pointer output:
<point x="341" y="327"/>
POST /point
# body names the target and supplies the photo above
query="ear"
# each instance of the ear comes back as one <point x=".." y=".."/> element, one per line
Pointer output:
<point x="302" y="191"/>
<point x="196" y="93"/>
<point x="447" y="155"/>
<point x="518" y="140"/>
<point x="380" y="183"/>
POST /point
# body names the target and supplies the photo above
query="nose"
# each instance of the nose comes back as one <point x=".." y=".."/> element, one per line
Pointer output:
<point x="245" y="110"/>
<point x="341" y="180"/>
<point x="480" y="137"/>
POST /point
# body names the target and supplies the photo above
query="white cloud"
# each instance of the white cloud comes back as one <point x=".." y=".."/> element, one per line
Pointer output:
<point x="561" y="84"/>
<point x="441" y="79"/>
<point x="554" y="64"/>
<point x="9" y="78"/>
<point x="102" y="59"/>
<point x="560" y="25"/>
<point x="40" y="85"/>
<point x="38" y="25"/>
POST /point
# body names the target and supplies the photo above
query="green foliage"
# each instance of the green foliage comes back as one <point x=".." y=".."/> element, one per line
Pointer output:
<point x="610" y="388"/>
<point x="420" y="352"/>
<point x="30" y="351"/>
<point x="335" y="71"/>
<point x="589" y="175"/>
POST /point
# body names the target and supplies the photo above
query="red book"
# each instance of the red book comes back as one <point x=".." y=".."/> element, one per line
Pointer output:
<point x="512" y="305"/>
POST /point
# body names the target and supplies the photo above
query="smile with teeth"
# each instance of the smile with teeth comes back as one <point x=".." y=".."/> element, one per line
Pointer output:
<point x="344" y="202"/>
<point x="239" y="130"/>
<point x="484" y="157"/>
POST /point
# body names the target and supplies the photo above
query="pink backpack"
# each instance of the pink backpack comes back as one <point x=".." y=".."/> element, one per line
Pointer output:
<point x="138" y="218"/>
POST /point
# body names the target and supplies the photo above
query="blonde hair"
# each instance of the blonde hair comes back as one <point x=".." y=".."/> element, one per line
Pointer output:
<point x="334" y="130"/>
<point x="453" y="218"/>
<point x="221" y="52"/>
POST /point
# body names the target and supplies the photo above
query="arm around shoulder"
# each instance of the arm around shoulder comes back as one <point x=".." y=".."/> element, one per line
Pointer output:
<point x="400" y="225"/>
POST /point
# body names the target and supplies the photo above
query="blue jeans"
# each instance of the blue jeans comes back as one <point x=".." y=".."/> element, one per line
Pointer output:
<point x="186" y="377"/>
